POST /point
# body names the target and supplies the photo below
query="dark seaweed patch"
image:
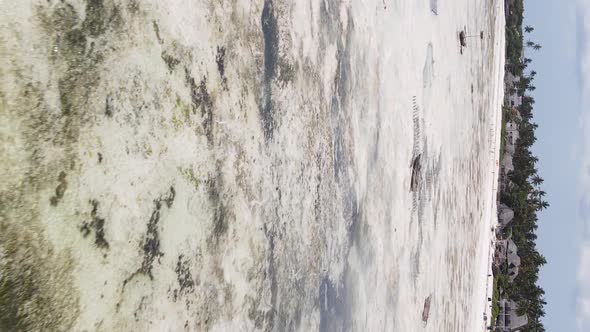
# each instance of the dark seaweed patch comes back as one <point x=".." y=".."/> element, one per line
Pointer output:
<point x="170" y="61"/>
<point x="169" y="199"/>
<point x="183" y="276"/>
<point x="214" y="190"/>
<point x="100" y="240"/>
<point x="220" y="60"/>
<point x="60" y="189"/>
<point x="95" y="23"/>
<point x="133" y="6"/>
<point x="151" y="243"/>
<point x="157" y="31"/>
<point x="108" y="109"/>
<point x="65" y="102"/>
<point x="200" y="99"/>
<point x="286" y="71"/>
<point x="96" y="224"/>
<point x="79" y="47"/>
<point x="271" y="41"/>
<point x="37" y="290"/>
<point x="35" y="281"/>
<point x="85" y="229"/>
<point x="416" y="168"/>
<point x="340" y="102"/>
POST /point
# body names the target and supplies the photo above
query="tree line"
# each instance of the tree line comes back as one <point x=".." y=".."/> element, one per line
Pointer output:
<point x="524" y="194"/>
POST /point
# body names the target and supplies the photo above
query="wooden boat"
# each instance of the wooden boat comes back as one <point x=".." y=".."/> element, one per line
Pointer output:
<point x="426" y="310"/>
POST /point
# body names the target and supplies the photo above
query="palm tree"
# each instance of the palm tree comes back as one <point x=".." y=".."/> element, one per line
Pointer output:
<point x="537" y="194"/>
<point x="543" y="205"/>
<point x="533" y="73"/>
<point x="524" y="82"/>
<point x="531" y="88"/>
<point x="537" y="180"/>
<point x="521" y="66"/>
<point x="537" y="47"/>
<point x="530" y="43"/>
<point x="528" y="29"/>
<point x="528" y="100"/>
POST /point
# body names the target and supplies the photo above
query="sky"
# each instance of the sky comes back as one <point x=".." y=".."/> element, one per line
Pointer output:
<point x="560" y="27"/>
<point x="583" y="276"/>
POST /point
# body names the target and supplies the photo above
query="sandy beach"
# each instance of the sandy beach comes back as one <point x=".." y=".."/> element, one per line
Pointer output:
<point x="235" y="166"/>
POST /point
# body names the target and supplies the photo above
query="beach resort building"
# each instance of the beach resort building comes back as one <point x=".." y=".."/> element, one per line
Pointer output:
<point x="505" y="167"/>
<point x="512" y="98"/>
<point x="508" y="319"/>
<point x="510" y="79"/>
<point x="507" y="252"/>
<point x="507" y="163"/>
<point x="512" y="135"/>
<point x="500" y="254"/>
<point x="505" y="215"/>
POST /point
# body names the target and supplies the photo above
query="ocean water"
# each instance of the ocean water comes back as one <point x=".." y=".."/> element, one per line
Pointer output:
<point x="189" y="165"/>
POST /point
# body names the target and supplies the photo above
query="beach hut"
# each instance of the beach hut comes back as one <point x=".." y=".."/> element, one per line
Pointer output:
<point x="505" y="215"/>
<point x="508" y="318"/>
<point x="513" y="260"/>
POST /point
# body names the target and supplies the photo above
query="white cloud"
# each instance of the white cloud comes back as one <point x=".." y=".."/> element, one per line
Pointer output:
<point x="583" y="276"/>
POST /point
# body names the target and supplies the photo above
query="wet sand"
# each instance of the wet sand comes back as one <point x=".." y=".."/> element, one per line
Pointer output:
<point x="190" y="165"/>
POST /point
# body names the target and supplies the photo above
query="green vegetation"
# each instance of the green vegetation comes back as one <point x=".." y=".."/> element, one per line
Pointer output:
<point x="501" y="288"/>
<point x="514" y="38"/>
<point x="495" y="299"/>
<point x="524" y="194"/>
<point x="505" y="118"/>
<point x="36" y="292"/>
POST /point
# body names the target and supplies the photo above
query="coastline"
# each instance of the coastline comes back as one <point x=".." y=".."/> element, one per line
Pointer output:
<point x="186" y="208"/>
<point x="488" y="240"/>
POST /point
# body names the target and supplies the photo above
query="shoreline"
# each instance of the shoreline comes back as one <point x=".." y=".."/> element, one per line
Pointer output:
<point x="488" y="236"/>
<point x="493" y="216"/>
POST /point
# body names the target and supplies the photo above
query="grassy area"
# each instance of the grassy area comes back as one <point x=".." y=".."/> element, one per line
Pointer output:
<point x="505" y="118"/>
<point x="514" y="37"/>
<point x="503" y="137"/>
<point x="495" y="306"/>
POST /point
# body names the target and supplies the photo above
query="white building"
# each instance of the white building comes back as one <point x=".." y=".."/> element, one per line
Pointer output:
<point x="507" y="163"/>
<point x="510" y="79"/>
<point x="505" y="167"/>
<point x="512" y="135"/>
<point x="505" y="215"/>
<point x="508" y="319"/>
<point x="513" y="260"/>
<point x="513" y="99"/>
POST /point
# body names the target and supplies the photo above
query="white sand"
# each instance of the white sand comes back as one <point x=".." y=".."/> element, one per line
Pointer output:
<point x="297" y="220"/>
<point x="452" y="253"/>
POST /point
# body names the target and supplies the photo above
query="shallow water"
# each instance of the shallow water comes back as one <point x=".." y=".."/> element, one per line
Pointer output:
<point x="195" y="165"/>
